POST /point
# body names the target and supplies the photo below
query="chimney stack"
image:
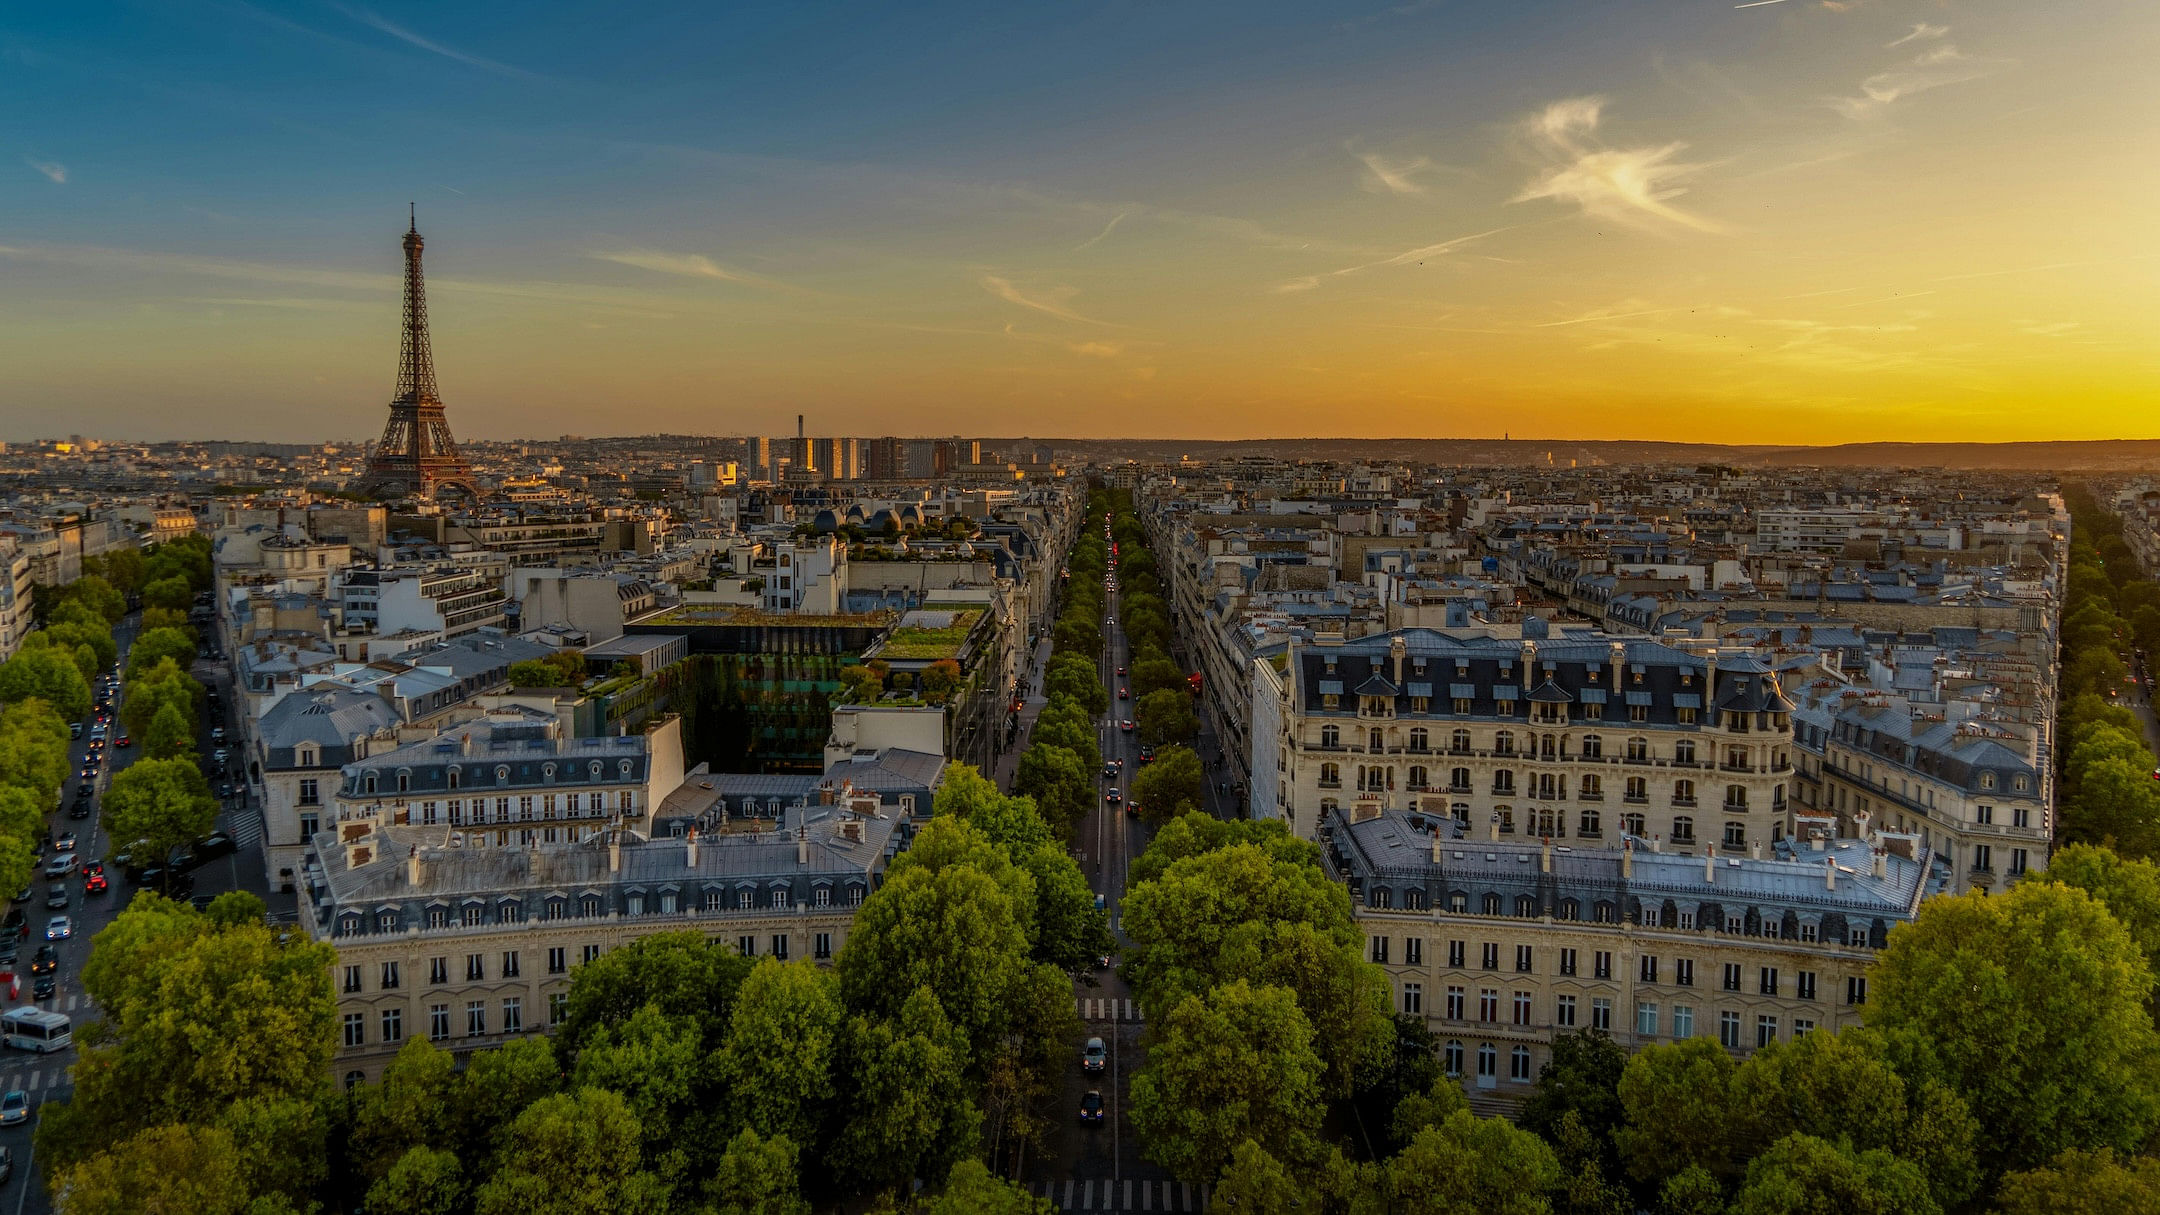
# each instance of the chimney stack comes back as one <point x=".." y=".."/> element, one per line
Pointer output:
<point x="1545" y="855"/>
<point x="1829" y="873"/>
<point x="614" y="850"/>
<point x="1882" y="862"/>
<point x="690" y="848"/>
<point x="412" y="867"/>
<point x="1709" y="863"/>
<point x="1492" y="828"/>
<point x="1627" y="859"/>
<point x="802" y="843"/>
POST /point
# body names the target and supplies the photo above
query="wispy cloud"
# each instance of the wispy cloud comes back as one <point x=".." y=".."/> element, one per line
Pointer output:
<point x="688" y="265"/>
<point x="1419" y="256"/>
<point x="52" y="169"/>
<point x="1930" y="69"/>
<point x="1392" y="176"/>
<point x="1097" y="350"/>
<point x="1051" y="303"/>
<point x="1107" y="229"/>
<point x="383" y="25"/>
<point x="1626" y="185"/>
<point x="1922" y="32"/>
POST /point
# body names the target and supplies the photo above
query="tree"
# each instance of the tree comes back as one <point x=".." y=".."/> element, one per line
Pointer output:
<point x="1680" y="1111"/>
<point x="22" y="820"/>
<point x="152" y="691"/>
<point x="1474" y="1166"/>
<point x="1150" y="675"/>
<point x="940" y="680"/>
<point x="1170" y="786"/>
<point x="535" y="673"/>
<point x="659" y="1066"/>
<point x="87" y="631"/>
<point x="172" y="592"/>
<point x="1581" y="1078"/>
<point x="860" y="685"/>
<point x="1166" y="717"/>
<point x="2034" y="1006"/>
<point x="169" y="735"/>
<point x="156" y="645"/>
<point x="971" y="1190"/>
<point x="680" y="973"/>
<point x="236" y="909"/>
<point x="783" y="1046"/>
<point x="1803" y="1175"/>
<point x="33" y="750"/>
<point x="2129" y="889"/>
<point x="410" y="1109"/>
<point x="176" y="1169"/>
<point x="101" y="597"/>
<point x="573" y="1154"/>
<point x="1063" y="788"/>
<point x="1065" y="725"/>
<point x="423" y="1181"/>
<point x="46" y="673"/>
<point x="197" y="1017"/>
<point x="908" y="1111"/>
<point x="954" y="915"/>
<point x="2083" y="1183"/>
<point x="1232" y="1065"/>
<point x="165" y="802"/>
<point x="497" y="1087"/>
<point x="1419" y="1112"/>
<point x="1255" y="1183"/>
<point x="1077" y="676"/>
<point x="756" y="1176"/>
<point x="166" y="618"/>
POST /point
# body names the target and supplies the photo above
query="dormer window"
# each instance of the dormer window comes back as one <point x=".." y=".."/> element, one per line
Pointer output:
<point x="1987" y="780"/>
<point x="593" y="769"/>
<point x="367" y="783"/>
<point x="455" y="772"/>
<point x="307" y="756"/>
<point x="548" y="771"/>
<point x="404" y="780"/>
<point x="623" y="766"/>
<point x="502" y="774"/>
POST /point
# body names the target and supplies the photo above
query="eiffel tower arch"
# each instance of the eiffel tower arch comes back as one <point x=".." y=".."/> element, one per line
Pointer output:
<point x="417" y="457"/>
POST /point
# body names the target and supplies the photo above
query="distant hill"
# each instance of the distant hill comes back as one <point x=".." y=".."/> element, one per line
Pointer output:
<point x="2097" y="454"/>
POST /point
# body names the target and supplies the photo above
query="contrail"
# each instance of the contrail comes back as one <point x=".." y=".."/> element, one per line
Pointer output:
<point x="1758" y="3"/>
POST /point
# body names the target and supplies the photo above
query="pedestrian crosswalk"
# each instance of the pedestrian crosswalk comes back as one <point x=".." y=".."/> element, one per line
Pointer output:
<point x="242" y="823"/>
<point x="1105" y="1008"/>
<point x="1123" y="1196"/>
<point x="34" y="1080"/>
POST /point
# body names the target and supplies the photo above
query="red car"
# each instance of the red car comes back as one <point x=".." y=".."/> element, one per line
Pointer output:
<point x="94" y="883"/>
<point x="124" y="741"/>
<point x="1124" y="693"/>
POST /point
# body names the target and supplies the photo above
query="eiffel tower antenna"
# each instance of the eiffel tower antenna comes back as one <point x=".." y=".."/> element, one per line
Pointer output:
<point x="417" y="457"/>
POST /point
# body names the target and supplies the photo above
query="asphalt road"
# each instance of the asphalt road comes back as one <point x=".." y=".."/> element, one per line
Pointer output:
<point x="44" y="1077"/>
<point x="1099" y="1167"/>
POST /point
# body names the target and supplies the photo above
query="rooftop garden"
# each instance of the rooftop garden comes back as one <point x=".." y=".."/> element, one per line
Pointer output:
<point x="694" y="614"/>
<point x="913" y="643"/>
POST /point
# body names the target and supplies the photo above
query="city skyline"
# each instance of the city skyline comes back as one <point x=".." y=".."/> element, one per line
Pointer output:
<point x="1785" y="223"/>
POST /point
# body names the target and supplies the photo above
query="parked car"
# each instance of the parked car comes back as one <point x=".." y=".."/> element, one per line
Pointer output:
<point x="15" y="924"/>
<point x="1094" y="1057"/>
<point x="74" y="729"/>
<point x="1091" y="1108"/>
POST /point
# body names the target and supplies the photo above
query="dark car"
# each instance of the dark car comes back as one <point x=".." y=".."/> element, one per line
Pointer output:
<point x="81" y="808"/>
<point x="1091" y="1108"/>
<point x="1147" y="754"/>
<point x="15" y="924"/>
<point x="44" y="987"/>
<point x="46" y="960"/>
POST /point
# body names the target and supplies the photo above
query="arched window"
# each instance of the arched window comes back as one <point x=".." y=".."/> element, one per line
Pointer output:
<point x="454" y="774"/>
<point x="1374" y="742"/>
<point x="1638" y="750"/>
<point x="502" y="774"/>
<point x="1331" y="775"/>
<point x="1519" y="1063"/>
<point x="1593" y="787"/>
<point x="1503" y="743"/>
<point x="1683" y="793"/>
<point x="1488" y="1060"/>
<point x="1736" y="797"/>
<point x="1987" y="780"/>
<point x="1419" y="739"/>
<point x="367" y="783"/>
<point x="1459" y="741"/>
<point x="404" y="780"/>
<point x="1592" y="822"/>
<point x="1417" y="776"/>
<point x="1453" y="1057"/>
<point x="1683" y="830"/>
<point x="1593" y="747"/>
<point x="1459" y="780"/>
<point x="1330" y="736"/>
<point x="1503" y="781"/>
<point x="1632" y="823"/>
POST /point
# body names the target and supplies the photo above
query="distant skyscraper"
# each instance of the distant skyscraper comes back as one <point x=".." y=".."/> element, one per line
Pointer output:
<point x="417" y="457"/>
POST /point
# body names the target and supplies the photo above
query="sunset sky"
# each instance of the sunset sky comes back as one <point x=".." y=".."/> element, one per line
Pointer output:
<point x="1800" y="221"/>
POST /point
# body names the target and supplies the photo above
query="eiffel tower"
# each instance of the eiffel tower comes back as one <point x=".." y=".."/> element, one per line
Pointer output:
<point x="417" y="458"/>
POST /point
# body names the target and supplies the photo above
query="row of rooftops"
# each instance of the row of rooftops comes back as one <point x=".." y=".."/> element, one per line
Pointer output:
<point x="1863" y="881"/>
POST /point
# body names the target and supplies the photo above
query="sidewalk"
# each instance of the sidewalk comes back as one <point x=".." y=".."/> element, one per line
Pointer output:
<point x="1031" y="707"/>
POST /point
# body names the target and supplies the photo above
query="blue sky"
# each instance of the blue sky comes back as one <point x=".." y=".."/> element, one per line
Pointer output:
<point x="1450" y="218"/>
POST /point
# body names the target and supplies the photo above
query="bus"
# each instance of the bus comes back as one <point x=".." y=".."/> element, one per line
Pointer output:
<point x="28" y="1028"/>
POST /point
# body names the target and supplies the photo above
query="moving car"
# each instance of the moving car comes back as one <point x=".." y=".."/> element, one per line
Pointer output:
<point x="1091" y="1108"/>
<point x="14" y="1108"/>
<point x="1094" y="1056"/>
<point x="46" y="960"/>
<point x="66" y="842"/>
<point x="62" y="864"/>
<point x="1147" y="754"/>
<point x="1126" y="725"/>
<point x="1114" y="796"/>
<point x="56" y="896"/>
<point x="95" y="883"/>
<point x="44" y="987"/>
<point x="59" y="928"/>
<point x="1124" y="693"/>
<point x="125" y="741"/>
<point x="1121" y="670"/>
